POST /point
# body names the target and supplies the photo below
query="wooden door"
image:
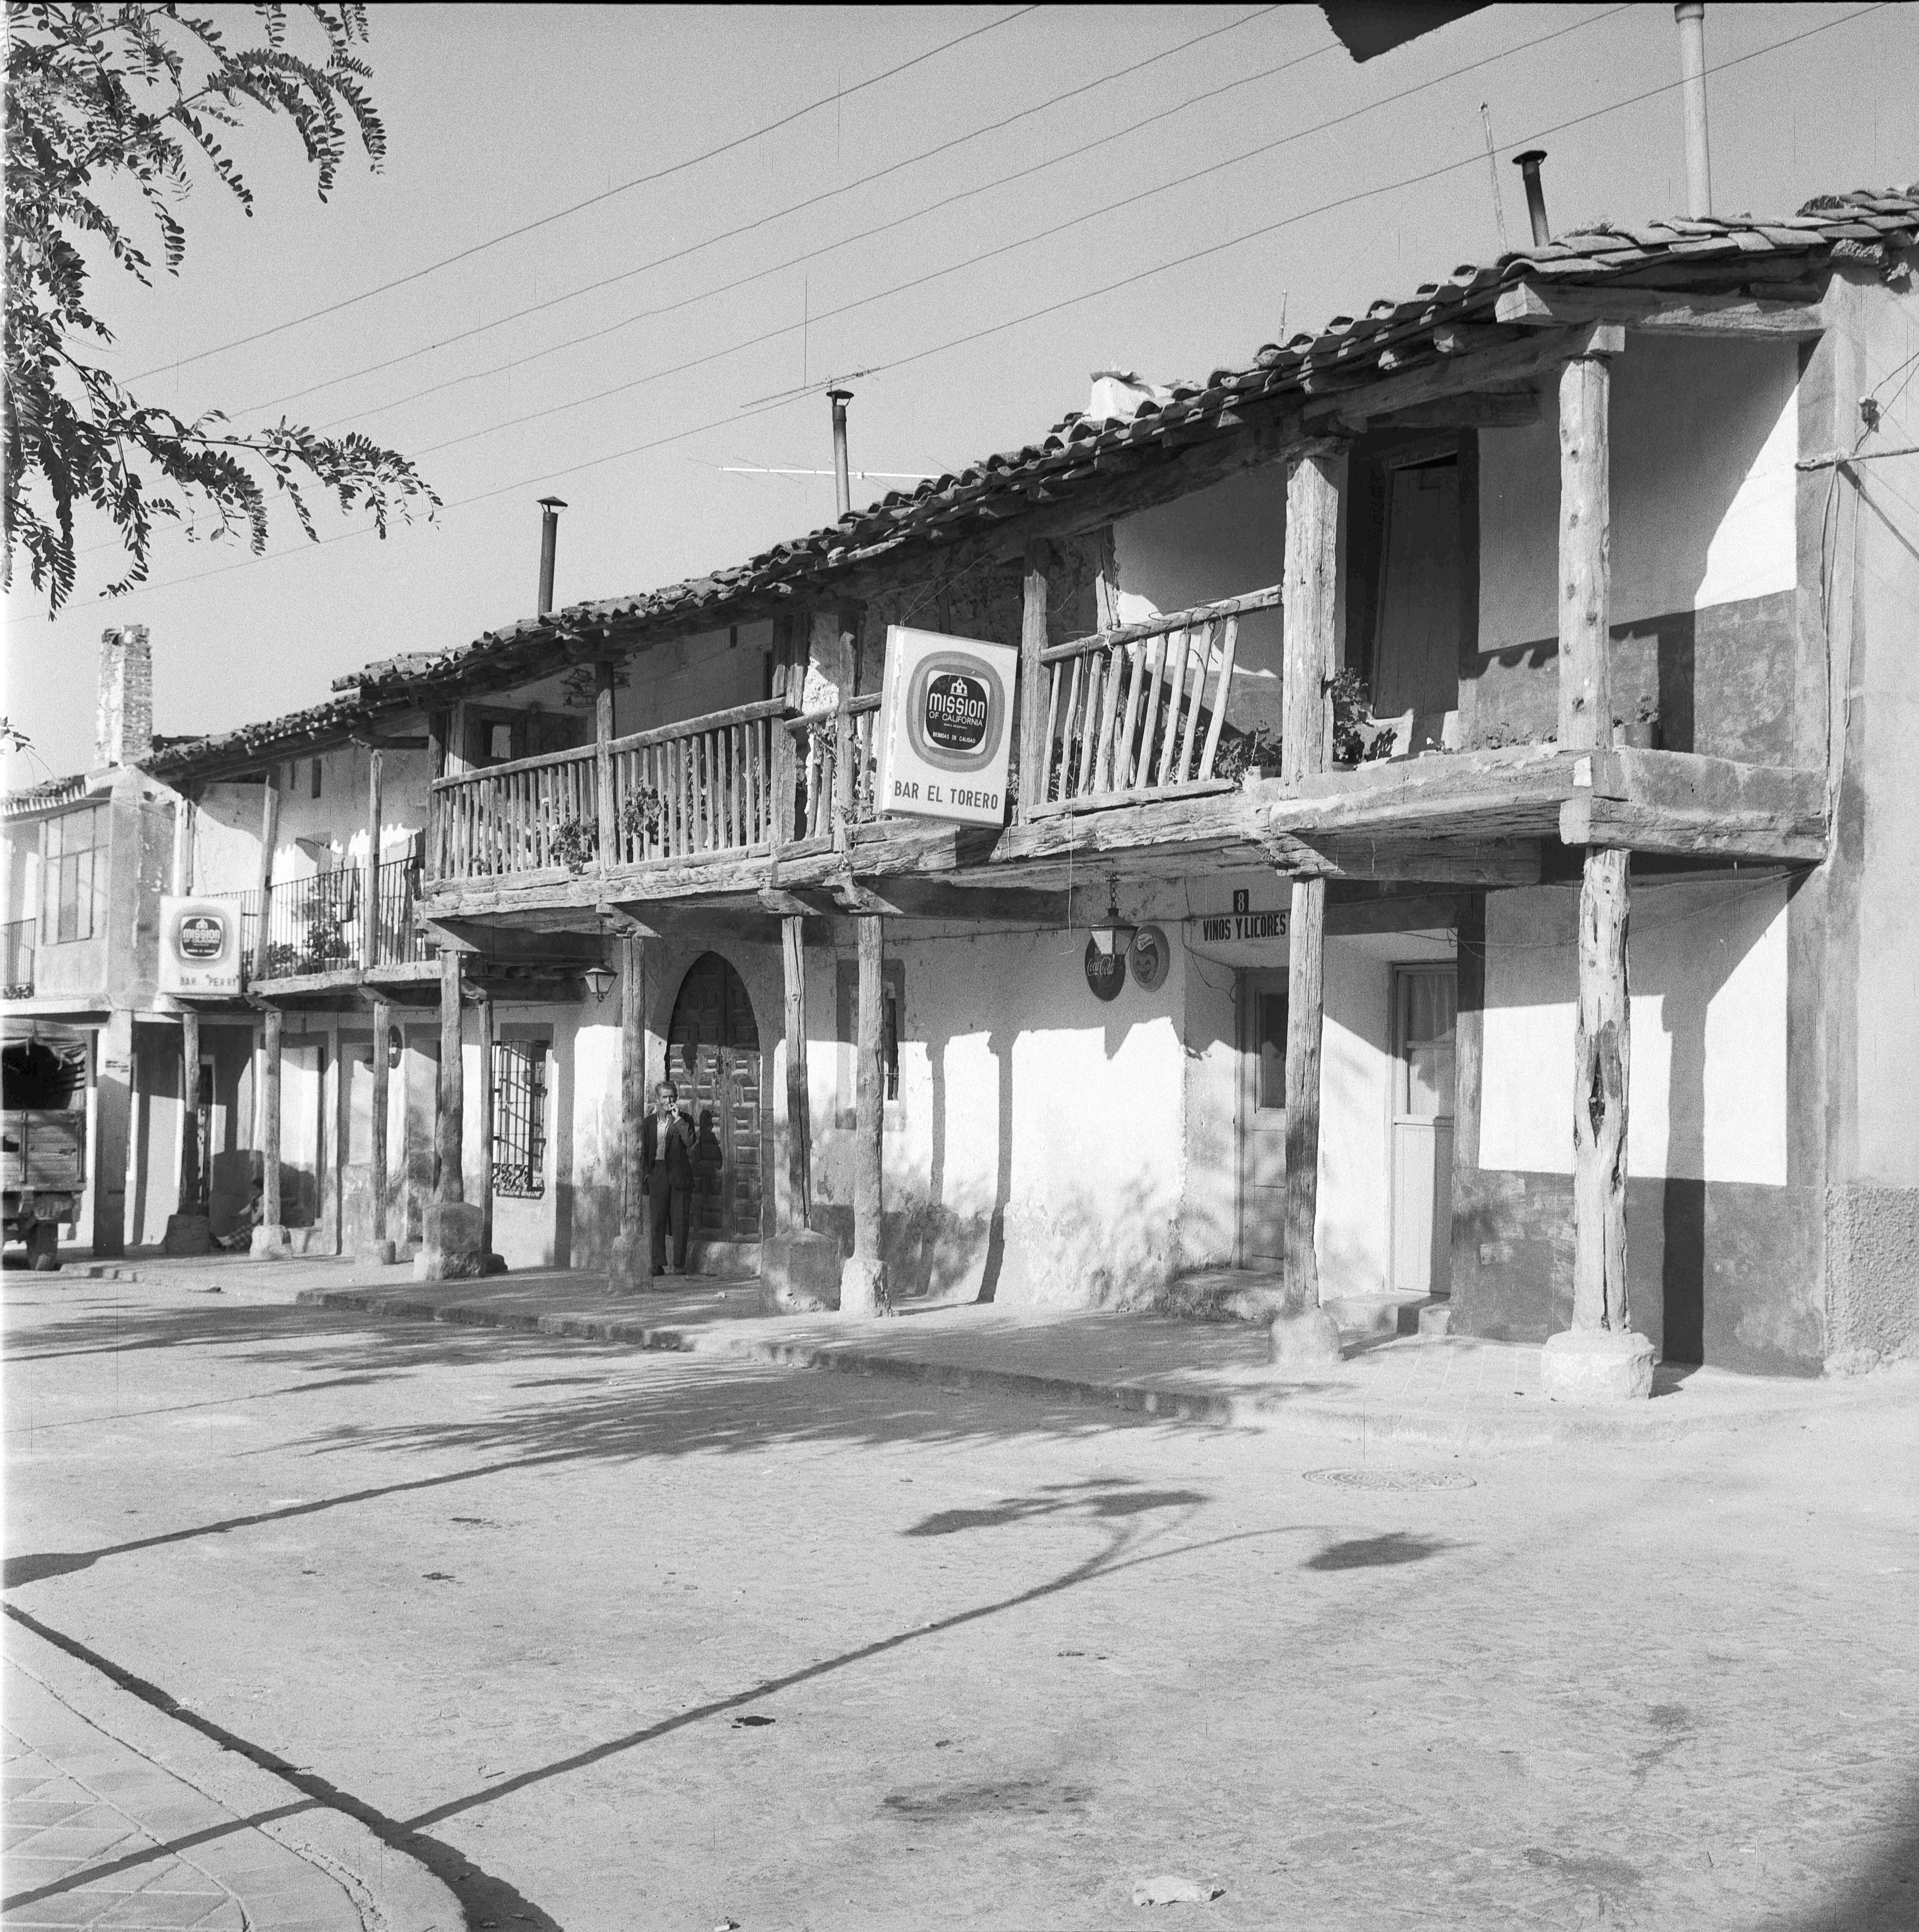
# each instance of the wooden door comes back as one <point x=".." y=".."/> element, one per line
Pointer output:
<point x="1425" y="999"/>
<point x="713" y="1054"/>
<point x="1262" y="1006"/>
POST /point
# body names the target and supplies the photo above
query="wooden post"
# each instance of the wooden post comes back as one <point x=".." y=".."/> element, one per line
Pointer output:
<point x="632" y="1265"/>
<point x="799" y="1104"/>
<point x="602" y="720"/>
<point x="1602" y="1042"/>
<point x="270" y="1124"/>
<point x="483" y="1001"/>
<point x="842" y="776"/>
<point x="370" y="909"/>
<point x="269" y="831"/>
<point x="1033" y="680"/>
<point x="1315" y="483"/>
<point x="863" y="1284"/>
<point x="190" y="1150"/>
<point x="382" y="1028"/>
<point x="451" y="1182"/>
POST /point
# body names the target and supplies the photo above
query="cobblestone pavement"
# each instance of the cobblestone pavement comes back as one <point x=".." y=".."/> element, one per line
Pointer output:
<point x="660" y="1640"/>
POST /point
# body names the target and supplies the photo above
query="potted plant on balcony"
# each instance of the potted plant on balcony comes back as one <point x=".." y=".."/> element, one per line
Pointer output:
<point x="1358" y="737"/>
<point x="1641" y="730"/>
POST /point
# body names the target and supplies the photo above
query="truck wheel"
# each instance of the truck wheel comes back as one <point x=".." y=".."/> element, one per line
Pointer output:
<point x="44" y="1246"/>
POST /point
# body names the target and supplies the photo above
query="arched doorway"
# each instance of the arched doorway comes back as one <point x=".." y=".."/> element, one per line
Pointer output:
<point x="713" y="1054"/>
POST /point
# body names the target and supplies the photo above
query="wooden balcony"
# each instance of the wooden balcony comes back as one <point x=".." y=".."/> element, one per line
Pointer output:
<point x="732" y="806"/>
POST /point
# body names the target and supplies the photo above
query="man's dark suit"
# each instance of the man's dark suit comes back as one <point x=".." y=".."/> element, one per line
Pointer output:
<point x="669" y="1185"/>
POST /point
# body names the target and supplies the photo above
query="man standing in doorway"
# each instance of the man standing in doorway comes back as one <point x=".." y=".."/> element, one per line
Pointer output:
<point x="666" y="1165"/>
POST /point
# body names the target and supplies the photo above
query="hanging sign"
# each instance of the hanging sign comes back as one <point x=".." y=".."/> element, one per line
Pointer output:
<point x="1106" y="966"/>
<point x="1150" y="956"/>
<point x="946" y="719"/>
<point x="200" y="945"/>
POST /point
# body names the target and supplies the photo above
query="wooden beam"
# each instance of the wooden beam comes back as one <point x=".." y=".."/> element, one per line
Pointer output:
<point x="1033" y="679"/>
<point x="1468" y="338"/>
<point x="1304" y="1024"/>
<point x="799" y="1100"/>
<point x="602" y="715"/>
<point x="450" y="1133"/>
<point x="370" y="890"/>
<point x="1528" y="306"/>
<point x="269" y="1118"/>
<point x="483" y="1008"/>
<point x="1396" y="912"/>
<point x="862" y="1283"/>
<point x="269" y="832"/>
<point x="1621" y="825"/>
<point x="1585" y="552"/>
<point x="1491" y="409"/>
<point x="631" y="1264"/>
<point x="382" y="1028"/>
<point x="191" y="1192"/>
<point x="1603" y="1023"/>
<point x="1500" y="366"/>
<point x="1315" y="483"/>
<point x="1602" y="1050"/>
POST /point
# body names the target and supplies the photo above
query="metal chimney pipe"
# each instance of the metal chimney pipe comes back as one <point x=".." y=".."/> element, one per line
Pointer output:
<point x="842" y="484"/>
<point x="1691" y="15"/>
<point x="549" y="542"/>
<point x="1528" y="165"/>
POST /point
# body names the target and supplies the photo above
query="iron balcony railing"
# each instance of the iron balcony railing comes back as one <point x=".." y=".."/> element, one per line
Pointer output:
<point x="319" y="925"/>
<point x="16" y="937"/>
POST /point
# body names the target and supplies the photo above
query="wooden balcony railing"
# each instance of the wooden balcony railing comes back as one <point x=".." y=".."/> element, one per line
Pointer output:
<point x="688" y="790"/>
<point x="684" y="792"/>
<point x="836" y="759"/>
<point x="1136" y="713"/>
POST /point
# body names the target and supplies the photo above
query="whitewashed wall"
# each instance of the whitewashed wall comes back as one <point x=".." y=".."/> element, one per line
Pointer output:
<point x="1704" y="437"/>
<point x="1707" y="1097"/>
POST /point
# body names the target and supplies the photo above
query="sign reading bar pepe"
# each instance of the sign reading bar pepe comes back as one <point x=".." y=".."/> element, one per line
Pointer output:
<point x="946" y="727"/>
<point x="200" y="945"/>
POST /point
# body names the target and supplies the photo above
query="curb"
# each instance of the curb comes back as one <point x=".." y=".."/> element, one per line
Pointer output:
<point x="343" y="1865"/>
<point x="1355" y="1422"/>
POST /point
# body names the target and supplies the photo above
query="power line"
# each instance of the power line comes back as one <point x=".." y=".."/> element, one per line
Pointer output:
<point x="549" y="475"/>
<point x="779" y="214"/>
<point x="948" y="201"/>
<point x="592" y="200"/>
<point x="990" y="254"/>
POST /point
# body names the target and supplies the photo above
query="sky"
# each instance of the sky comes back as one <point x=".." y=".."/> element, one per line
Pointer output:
<point x="1160" y="189"/>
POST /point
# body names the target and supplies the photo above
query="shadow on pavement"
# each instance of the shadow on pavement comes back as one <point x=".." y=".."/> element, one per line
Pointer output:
<point x="1378" y="1552"/>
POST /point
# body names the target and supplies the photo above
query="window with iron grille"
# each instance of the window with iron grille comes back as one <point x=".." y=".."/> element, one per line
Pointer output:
<point x="519" y="1118"/>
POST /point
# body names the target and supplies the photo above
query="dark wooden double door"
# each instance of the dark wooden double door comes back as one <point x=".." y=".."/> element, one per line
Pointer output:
<point x="713" y="1054"/>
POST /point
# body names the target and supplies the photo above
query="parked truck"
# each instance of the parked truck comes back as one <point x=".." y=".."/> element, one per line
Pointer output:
<point x="43" y="1094"/>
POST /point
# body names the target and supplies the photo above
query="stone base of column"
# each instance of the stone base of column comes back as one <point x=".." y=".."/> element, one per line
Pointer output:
<point x="1307" y="1339"/>
<point x="379" y="1254"/>
<point x="270" y="1244"/>
<point x="451" y="1247"/>
<point x="1592" y="1365"/>
<point x="187" y="1234"/>
<point x="861" y="1283"/>
<point x="800" y="1273"/>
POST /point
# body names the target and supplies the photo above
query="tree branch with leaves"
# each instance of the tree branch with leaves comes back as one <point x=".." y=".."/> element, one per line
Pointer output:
<point x="113" y="105"/>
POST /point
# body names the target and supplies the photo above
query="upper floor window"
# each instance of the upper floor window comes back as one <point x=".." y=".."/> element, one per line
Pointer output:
<point x="74" y="875"/>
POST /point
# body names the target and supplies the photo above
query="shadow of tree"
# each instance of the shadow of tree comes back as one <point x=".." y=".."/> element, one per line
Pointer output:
<point x="1377" y="1552"/>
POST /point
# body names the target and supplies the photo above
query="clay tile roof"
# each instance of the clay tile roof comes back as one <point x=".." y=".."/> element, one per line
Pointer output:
<point x="1860" y="226"/>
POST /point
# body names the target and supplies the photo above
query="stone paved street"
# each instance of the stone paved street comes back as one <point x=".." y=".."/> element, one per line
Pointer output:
<point x="626" y="1640"/>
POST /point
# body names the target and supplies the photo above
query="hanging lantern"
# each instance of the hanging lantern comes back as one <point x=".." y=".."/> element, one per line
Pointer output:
<point x="599" y="978"/>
